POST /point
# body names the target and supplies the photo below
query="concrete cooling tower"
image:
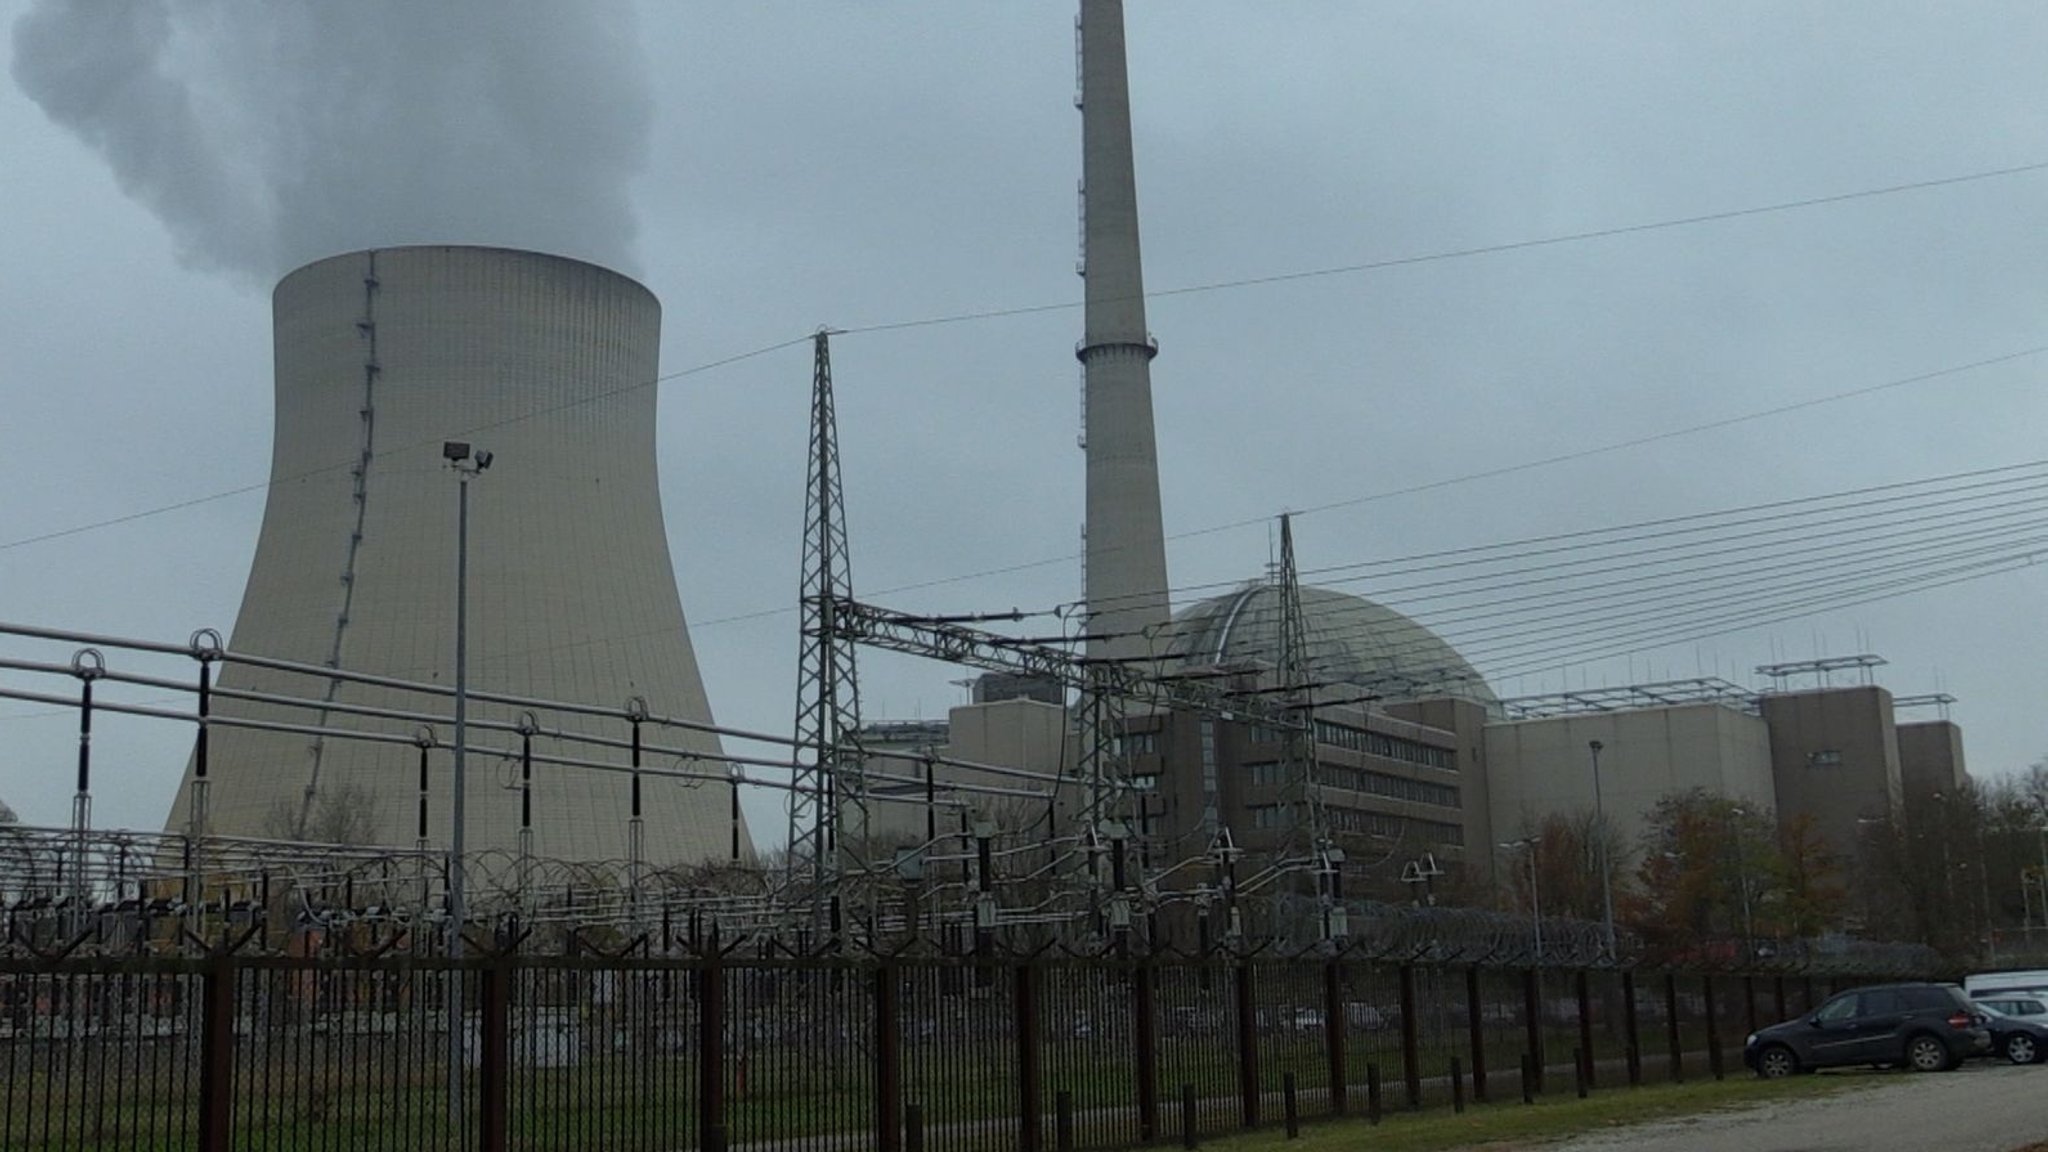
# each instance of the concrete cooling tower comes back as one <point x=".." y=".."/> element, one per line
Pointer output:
<point x="549" y="364"/>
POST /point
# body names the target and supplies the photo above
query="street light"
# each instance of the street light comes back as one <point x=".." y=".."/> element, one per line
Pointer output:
<point x="1535" y="896"/>
<point x="467" y="464"/>
<point x="1736" y="814"/>
<point x="1600" y="842"/>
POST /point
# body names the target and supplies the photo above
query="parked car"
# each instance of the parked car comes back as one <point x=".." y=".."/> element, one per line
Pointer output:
<point x="2019" y="1026"/>
<point x="1924" y="1027"/>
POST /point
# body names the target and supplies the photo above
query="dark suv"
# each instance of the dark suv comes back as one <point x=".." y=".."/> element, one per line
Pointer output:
<point x="1924" y="1027"/>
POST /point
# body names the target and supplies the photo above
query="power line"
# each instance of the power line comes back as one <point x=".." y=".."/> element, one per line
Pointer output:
<point x="1473" y="251"/>
<point x="226" y="493"/>
<point x="1914" y="495"/>
<point x="1188" y="290"/>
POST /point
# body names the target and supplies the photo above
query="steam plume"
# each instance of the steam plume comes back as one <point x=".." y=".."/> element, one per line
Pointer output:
<point x="265" y="135"/>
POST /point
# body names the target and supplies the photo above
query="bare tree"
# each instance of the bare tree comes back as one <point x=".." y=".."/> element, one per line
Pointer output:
<point x="345" y="815"/>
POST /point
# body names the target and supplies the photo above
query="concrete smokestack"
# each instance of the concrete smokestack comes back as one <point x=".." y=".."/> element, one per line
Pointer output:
<point x="550" y="364"/>
<point x="1126" y="585"/>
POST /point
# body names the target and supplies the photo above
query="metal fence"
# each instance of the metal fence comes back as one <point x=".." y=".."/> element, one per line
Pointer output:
<point x="908" y="1055"/>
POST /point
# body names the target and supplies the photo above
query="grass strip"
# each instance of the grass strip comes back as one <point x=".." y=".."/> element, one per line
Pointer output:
<point x="1512" y="1125"/>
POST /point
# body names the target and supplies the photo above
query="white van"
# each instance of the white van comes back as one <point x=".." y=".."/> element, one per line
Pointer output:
<point x="2033" y="982"/>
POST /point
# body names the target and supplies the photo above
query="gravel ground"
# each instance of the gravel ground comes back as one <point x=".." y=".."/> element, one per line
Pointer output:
<point x="1980" y="1108"/>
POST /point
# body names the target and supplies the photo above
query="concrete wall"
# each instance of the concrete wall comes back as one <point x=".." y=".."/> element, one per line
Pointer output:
<point x="1539" y="767"/>
<point x="1837" y="759"/>
<point x="1930" y="759"/>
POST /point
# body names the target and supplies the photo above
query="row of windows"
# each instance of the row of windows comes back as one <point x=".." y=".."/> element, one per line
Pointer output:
<point x="1381" y="744"/>
<point x="1395" y="827"/>
<point x="1363" y="780"/>
<point x="1393" y="787"/>
<point x="1371" y="743"/>
<point x="1275" y="816"/>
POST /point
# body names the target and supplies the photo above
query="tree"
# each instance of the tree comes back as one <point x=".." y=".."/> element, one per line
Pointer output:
<point x="1567" y="866"/>
<point x="1807" y="895"/>
<point x="345" y="815"/>
<point x="1707" y="865"/>
<point x="7" y="815"/>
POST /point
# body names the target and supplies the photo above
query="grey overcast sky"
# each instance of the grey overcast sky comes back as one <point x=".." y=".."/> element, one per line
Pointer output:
<point x="769" y="167"/>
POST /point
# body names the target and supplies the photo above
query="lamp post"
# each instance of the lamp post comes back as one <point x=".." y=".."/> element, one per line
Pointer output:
<point x="1737" y="840"/>
<point x="467" y="464"/>
<point x="1600" y="842"/>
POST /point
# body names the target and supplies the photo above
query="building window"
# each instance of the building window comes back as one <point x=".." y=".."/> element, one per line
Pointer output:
<point x="1268" y="815"/>
<point x="1392" y="787"/>
<point x="1387" y="747"/>
<point x="1140" y="743"/>
<point x="1209" y="772"/>
<point x="1825" y="758"/>
<point x="1391" y="827"/>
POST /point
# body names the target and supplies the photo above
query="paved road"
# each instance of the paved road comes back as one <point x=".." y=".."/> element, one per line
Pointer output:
<point x="1980" y="1108"/>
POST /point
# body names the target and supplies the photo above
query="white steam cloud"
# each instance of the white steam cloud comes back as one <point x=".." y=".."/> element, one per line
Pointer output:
<point x="267" y="134"/>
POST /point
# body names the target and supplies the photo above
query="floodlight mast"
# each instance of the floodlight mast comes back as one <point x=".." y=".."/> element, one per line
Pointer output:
<point x="467" y="464"/>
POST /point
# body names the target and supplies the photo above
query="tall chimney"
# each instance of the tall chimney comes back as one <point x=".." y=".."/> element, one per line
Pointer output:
<point x="1125" y="584"/>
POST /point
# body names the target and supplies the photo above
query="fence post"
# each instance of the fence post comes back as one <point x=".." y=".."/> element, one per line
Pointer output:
<point x="1411" y="1047"/>
<point x="913" y="1127"/>
<point x="1187" y="1115"/>
<point x="1529" y="1067"/>
<point x="1713" y="1026"/>
<point x="1063" y="1120"/>
<point x="1532" y="1021"/>
<point x="1029" y="1121"/>
<point x="1585" y="999"/>
<point x="1806" y="986"/>
<point x="495" y="1066"/>
<point x="1749" y="1001"/>
<point x="888" y="1060"/>
<point x="1288" y="1107"/>
<point x="1671" y="1028"/>
<point x="711" y="1051"/>
<point x="1475" y="1022"/>
<point x="1629" y="1028"/>
<point x="1333" y="1031"/>
<point x="1579" y="1071"/>
<point x="217" y="1057"/>
<point x="1778" y="994"/>
<point x="1247" y="1045"/>
<point x="1145" y="1045"/>
<point x="1457" y="1086"/>
<point x="1372" y="1093"/>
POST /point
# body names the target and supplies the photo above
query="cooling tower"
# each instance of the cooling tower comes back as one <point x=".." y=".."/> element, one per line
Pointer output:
<point x="549" y="364"/>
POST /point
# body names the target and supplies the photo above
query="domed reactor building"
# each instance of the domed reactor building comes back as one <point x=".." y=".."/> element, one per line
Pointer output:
<point x="549" y="364"/>
<point x="1398" y="758"/>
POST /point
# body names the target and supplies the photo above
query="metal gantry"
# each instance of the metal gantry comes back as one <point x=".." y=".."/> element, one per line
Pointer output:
<point x="829" y="783"/>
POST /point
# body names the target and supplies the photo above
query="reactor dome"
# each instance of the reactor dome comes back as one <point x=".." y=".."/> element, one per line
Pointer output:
<point x="1351" y="640"/>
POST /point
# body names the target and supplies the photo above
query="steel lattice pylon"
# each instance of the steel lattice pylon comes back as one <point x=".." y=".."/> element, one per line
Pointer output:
<point x="1310" y="831"/>
<point x="829" y="777"/>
